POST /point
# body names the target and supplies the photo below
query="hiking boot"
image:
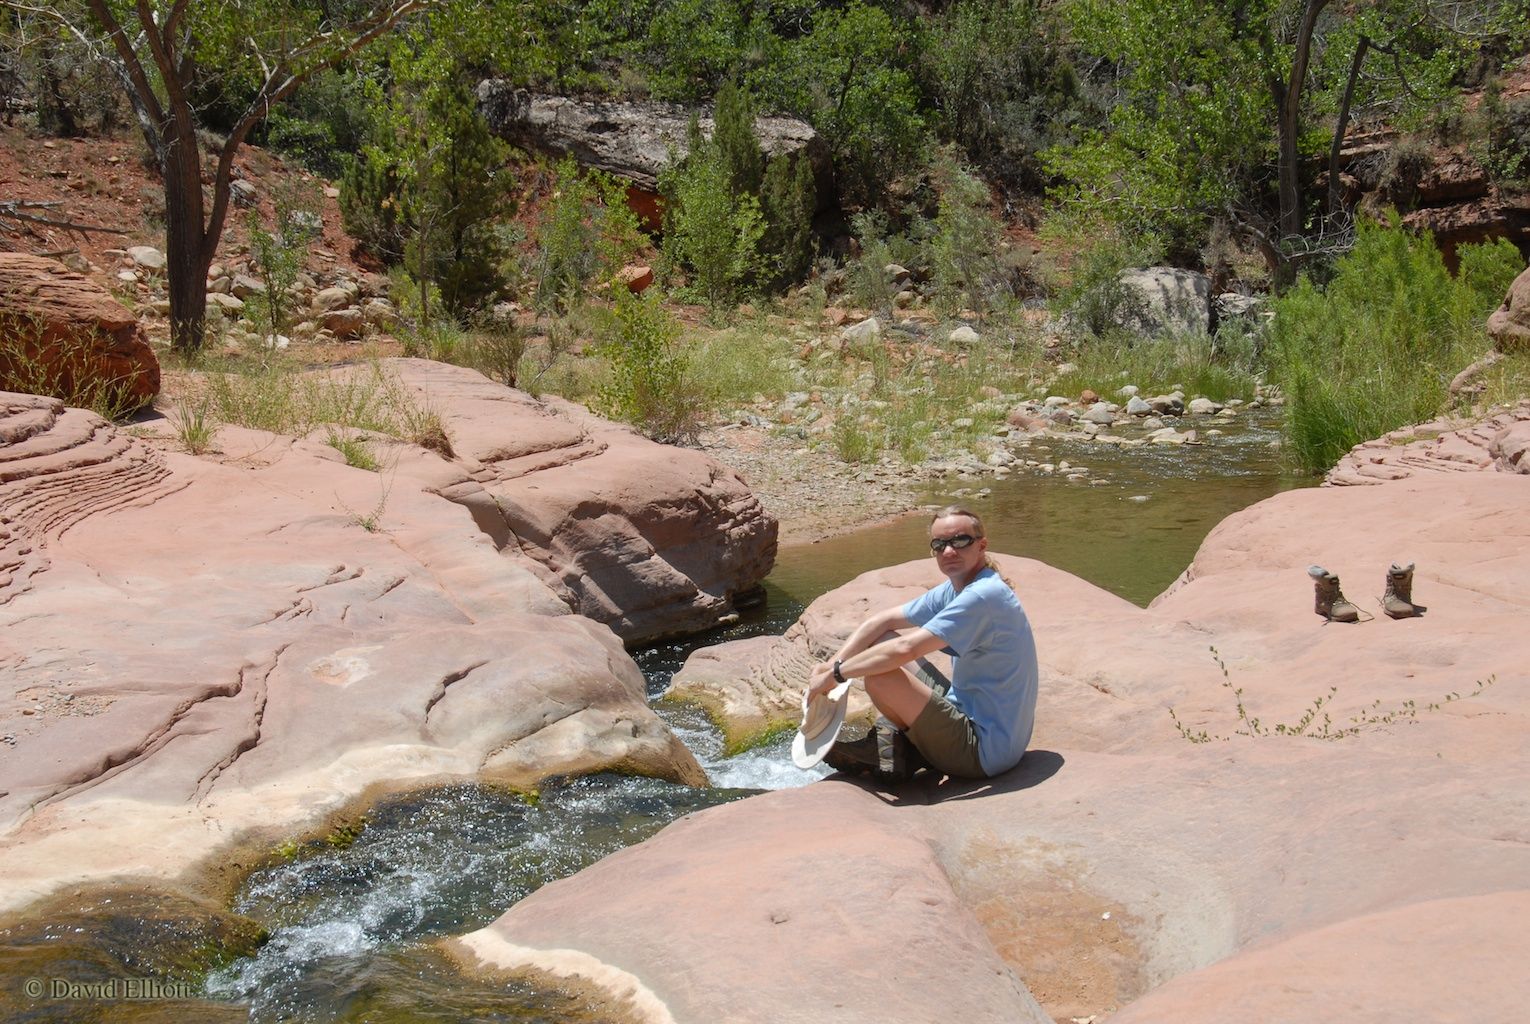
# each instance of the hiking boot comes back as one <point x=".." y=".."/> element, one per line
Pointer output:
<point x="1398" y="601"/>
<point x="884" y="753"/>
<point x="1331" y="602"/>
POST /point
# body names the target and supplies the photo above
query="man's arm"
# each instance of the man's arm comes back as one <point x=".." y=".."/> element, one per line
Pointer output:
<point x="866" y="653"/>
<point x="870" y="631"/>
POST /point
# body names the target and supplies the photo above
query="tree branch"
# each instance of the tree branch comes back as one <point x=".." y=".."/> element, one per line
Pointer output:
<point x="279" y="84"/>
<point x="14" y="209"/>
<point x="151" y="116"/>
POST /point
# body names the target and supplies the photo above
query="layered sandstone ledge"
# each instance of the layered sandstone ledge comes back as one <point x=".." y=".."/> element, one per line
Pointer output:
<point x="1123" y="869"/>
<point x="198" y="650"/>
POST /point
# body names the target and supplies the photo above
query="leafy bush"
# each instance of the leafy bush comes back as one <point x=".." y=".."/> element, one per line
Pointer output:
<point x="849" y="76"/>
<point x="277" y="256"/>
<point x="1089" y="294"/>
<point x="1003" y="89"/>
<point x="965" y="247"/>
<point x="323" y="121"/>
<point x="650" y="384"/>
<point x="788" y="197"/>
<point x="588" y="233"/>
<point x="1375" y="350"/>
<point x="712" y="231"/>
<point x="1501" y="136"/>
<point x="867" y="282"/>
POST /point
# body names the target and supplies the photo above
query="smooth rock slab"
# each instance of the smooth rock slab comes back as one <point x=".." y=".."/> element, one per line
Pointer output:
<point x="650" y="539"/>
<point x="193" y="650"/>
<point x="1241" y="878"/>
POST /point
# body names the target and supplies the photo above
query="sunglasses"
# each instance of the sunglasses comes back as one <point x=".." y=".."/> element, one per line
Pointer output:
<point x="961" y="540"/>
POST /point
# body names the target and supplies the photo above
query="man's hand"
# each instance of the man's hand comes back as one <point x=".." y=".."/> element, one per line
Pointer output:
<point x="821" y="680"/>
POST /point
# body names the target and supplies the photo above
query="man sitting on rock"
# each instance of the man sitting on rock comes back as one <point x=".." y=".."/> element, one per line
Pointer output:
<point x="978" y="724"/>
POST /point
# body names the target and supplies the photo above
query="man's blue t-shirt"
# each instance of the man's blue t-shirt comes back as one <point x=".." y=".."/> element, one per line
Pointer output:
<point x="994" y="675"/>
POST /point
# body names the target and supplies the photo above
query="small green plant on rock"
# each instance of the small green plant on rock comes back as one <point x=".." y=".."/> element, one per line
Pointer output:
<point x="194" y="426"/>
<point x="1315" y="722"/>
<point x="354" y="448"/>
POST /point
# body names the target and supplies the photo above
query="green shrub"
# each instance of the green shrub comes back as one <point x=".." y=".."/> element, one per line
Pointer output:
<point x="277" y="256"/>
<point x="1375" y="350"/>
<point x="1089" y="294"/>
<point x="587" y="235"/>
<point x="964" y="249"/>
<point x="1500" y="131"/>
<point x="650" y="385"/>
<point x="712" y="231"/>
<point x="788" y="197"/>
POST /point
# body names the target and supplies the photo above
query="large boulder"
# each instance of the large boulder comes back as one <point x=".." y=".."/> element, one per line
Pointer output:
<point x="1222" y="863"/>
<point x="203" y="651"/>
<point x="64" y="335"/>
<point x="649" y="539"/>
<point x="1167" y="300"/>
<point x="635" y="141"/>
<point x="1509" y="326"/>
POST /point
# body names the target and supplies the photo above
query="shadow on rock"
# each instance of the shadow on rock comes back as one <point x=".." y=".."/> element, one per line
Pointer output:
<point x="1036" y="767"/>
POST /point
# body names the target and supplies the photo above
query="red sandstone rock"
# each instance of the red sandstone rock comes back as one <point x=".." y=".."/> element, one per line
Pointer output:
<point x="63" y="332"/>
<point x="1446" y="445"/>
<point x="283" y="634"/>
<point x="635" y="278"/>
<point x="650" y="539"/>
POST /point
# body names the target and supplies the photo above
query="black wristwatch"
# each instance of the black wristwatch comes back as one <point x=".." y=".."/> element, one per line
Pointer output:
<point x="838" y="676"/>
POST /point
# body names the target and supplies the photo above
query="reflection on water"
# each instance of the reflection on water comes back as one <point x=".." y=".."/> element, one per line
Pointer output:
<point x="1131" y="530"/>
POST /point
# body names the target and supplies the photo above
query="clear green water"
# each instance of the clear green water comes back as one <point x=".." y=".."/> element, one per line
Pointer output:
<point x="351" y="928"/>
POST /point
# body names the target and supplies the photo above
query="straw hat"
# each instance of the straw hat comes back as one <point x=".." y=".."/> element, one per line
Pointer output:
<point x="821" y="719"/>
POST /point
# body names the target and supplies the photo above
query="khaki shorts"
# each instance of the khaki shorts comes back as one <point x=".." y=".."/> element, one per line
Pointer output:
<point x="942" y="732"/>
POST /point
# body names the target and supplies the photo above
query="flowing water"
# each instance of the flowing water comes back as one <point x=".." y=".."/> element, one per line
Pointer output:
<point x="351" y="925"/>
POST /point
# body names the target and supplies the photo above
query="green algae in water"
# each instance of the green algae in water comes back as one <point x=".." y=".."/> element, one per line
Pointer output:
<point x="123" y="955"/>
<point x="348" y="924"/>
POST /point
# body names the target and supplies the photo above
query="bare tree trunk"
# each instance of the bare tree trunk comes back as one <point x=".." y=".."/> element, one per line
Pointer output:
<point x="1341" y="128"/>
<point x="185" y="241"/>
<point x="1288" y="104"/>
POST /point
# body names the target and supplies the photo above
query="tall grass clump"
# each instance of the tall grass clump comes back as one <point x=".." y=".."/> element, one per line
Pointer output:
<point x="278" y="397"/>
<point x="1375" y="350"/>
<point x="1219" y="369"/>
<point x="729" y="368"/>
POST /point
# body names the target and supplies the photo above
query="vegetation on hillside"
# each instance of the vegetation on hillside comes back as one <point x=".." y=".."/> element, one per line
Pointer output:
<point x="1201" y="133"/>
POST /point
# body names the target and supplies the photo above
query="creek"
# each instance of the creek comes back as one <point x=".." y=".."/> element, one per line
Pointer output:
<point x="352" y="925"/>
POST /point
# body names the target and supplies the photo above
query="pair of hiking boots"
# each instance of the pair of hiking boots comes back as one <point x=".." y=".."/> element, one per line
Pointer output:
<point x="884" y="753"/>
<point x="1335" y="607"/>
